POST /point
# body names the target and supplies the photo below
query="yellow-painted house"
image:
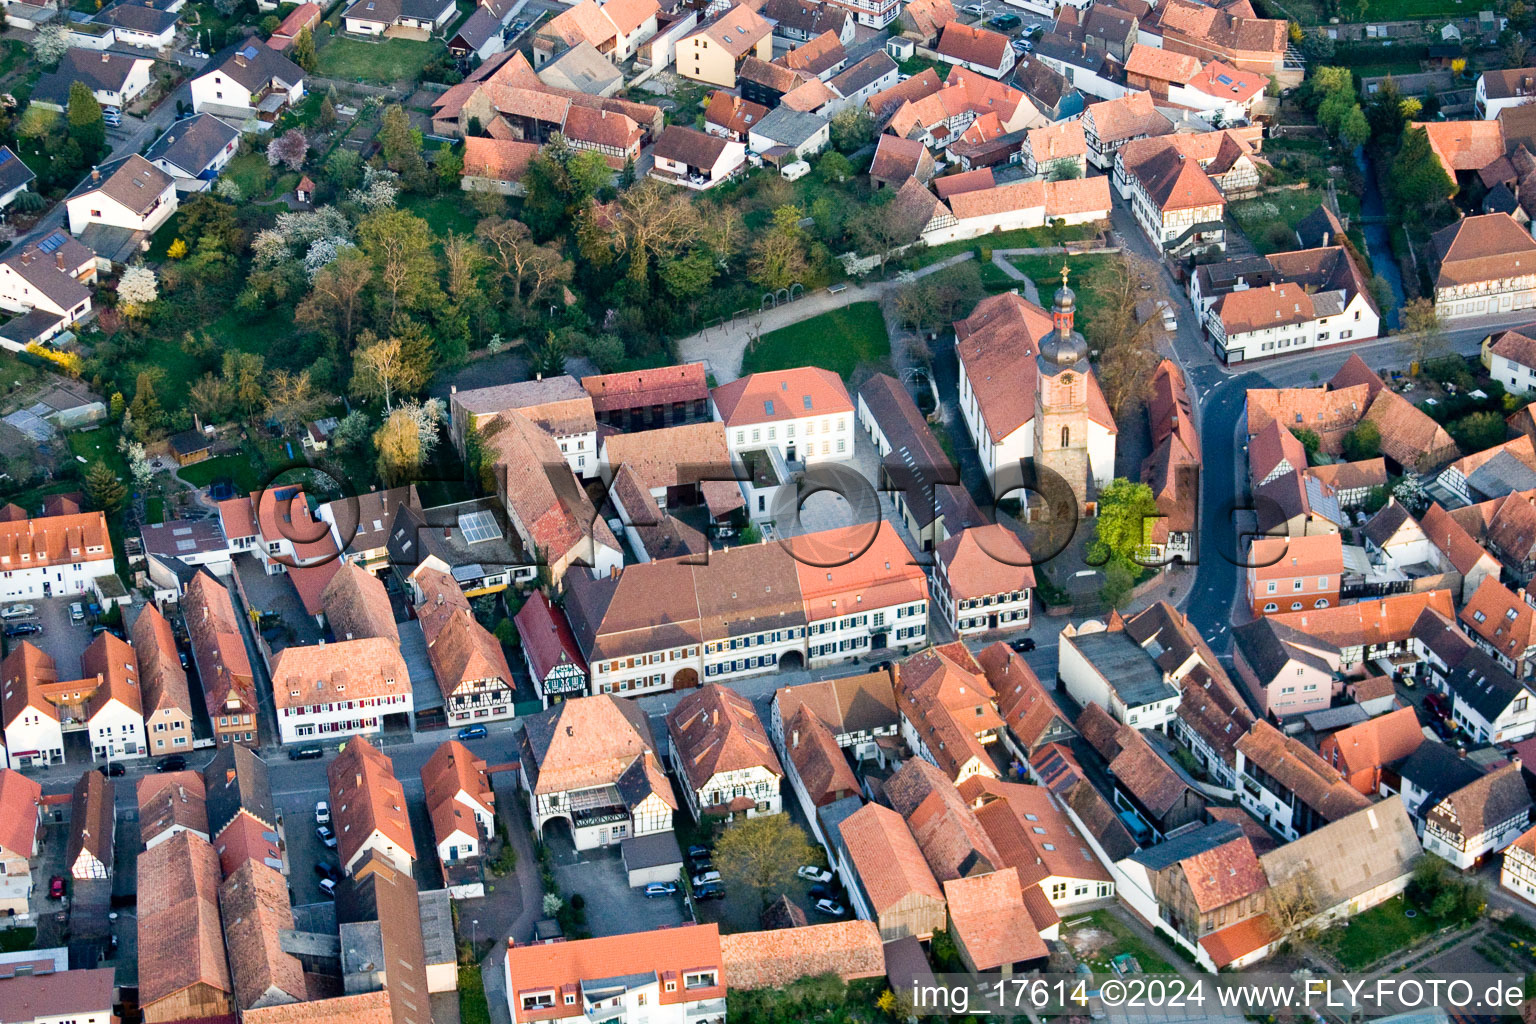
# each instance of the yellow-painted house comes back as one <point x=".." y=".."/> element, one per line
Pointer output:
<point x="714" y="52"/>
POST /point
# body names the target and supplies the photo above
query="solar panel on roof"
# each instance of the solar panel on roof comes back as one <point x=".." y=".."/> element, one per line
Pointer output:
<point x="52" y="242"/>
<point x="186" y="545"/>
<point x="479" y="526"/>
<point x="5" y="155"/>
<point x="1224" y="79"/>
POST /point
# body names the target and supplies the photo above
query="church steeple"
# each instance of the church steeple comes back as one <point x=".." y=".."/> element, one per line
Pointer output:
<point x="1064" y="348"/>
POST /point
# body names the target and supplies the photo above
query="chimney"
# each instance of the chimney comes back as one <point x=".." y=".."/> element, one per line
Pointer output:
<point x="794" y="741"/>
<point x="95" y="174"/>
<point x="359" y="782"/>
<point x="58" y="258"/>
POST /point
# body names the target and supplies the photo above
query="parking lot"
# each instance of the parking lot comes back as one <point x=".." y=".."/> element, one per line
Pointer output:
<point x="612" y="907"/>
<point x="62" y="640"/>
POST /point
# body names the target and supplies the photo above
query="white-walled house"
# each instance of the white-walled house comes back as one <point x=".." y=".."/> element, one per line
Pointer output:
<point x="47" y="280"/>
<point x="590" y="762"/>
<point x="721" y="753"/>
<point x="34" y="735"/>
<point x="248" y="81"/>
<point x="1479" y="819"/>
<point x="130" y="193"/>
<point x="339" y="689"/>
<point x="377" y="17"/>
<point x="695" y="159"/>
<point x="114" y="79"/>
<point x="53" y="556"/>
<point x="1512" y="359"/>
<point x="805" y="413"/>
<point x="195" y="150"/>
<point x="1109" y="669"/>
<point x="1499" y="90"/>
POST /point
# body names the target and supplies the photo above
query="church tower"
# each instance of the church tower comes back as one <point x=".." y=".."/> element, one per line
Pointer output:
<point x="1061" y="399"/>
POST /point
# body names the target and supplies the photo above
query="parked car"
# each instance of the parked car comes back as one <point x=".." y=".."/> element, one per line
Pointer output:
<point x="77" y="612"/>
<point x="174" y="763"/>
<point x="696" y="852"/>
<point x="656" y="890"/>
<point x="1165" y="310"/>
<point x="1024" y="645"/>
<point x="56" y="887"/>
<point x="821" y="891"/>
<point x="709" y="891"/>
<point x="705" y="877"/>
<point x="1438" y="705"/>
<point x="811" y="873"/>
<point x="24" y="629"/>
<point x="831" y="908"/>
<point x="113" y="769"/>
<point x="97" y="630"/>
<point x="1005" y="22"/>
<point x="325" y="869"/>
<point x="306" y="754"/>
<point x="473" y="732"/>
<point x="328" y="887"/>
<point x="17" y="611"/>
<point x="326" y="836"/>
<point x="322" y="813"/>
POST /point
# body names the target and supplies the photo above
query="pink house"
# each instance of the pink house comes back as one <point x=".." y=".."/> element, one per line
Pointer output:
<point x="1288" y="672"/>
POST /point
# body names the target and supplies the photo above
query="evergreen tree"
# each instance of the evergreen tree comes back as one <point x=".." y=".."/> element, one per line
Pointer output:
<point x="86" y="126"/>
<point x="104" y="490"/>
<point x="304" y="51"/>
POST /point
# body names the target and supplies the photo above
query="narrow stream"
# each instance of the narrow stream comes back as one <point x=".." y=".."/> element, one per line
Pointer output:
<point x="1377" y="239"/>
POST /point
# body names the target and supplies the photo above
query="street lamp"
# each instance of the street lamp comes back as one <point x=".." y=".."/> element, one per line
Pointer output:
<point x="474" y="931"/>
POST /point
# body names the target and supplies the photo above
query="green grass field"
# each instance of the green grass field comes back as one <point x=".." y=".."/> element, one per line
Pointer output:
<point x="447" y="212"/>
<point x="473" y="1009"/>
<point x="393" y="60"/>
<point x="1256" y="216"/>
<point x="1045" y="271"/>
<point x="236" y="468"/>
<point x="1380" y="931"/>
<point x="100" y="445"/>
<point x="838" y="340"/>
<point x="251" y="172"/>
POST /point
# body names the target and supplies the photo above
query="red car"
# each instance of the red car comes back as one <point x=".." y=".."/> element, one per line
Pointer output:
<point x="56" y="887"/>
<point x="1437" y="704"/>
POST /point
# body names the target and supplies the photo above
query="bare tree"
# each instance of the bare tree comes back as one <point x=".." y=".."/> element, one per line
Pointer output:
<point x="654" y="222"/>
<point x="520" y="261"/>
<point x="1293" y="906"/>
<point x="292" y="398"/>
<point x="385" y="368"/>
<point x="1126" y="341"/>
<point x="335" y="294"/>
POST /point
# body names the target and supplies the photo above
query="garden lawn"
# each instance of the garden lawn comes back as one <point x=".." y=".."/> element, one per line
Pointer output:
<point x="392" y="60"/>
<point x="837" y="340"/>
<point x="100" y="445"/>
<point x="1380" y="931"/>
<point x="160" y="245"/>
<point x="1045" y="271"/>
<point x="1288" y="208"/>
<point x="1023" y="238"/>
<point x="473" y="1007"/>
<point x="14" y="940"/>
<point x="443" y="213"/>
<point x="252" y="173"/>
<point x="1125" y="941"/>
<point x="239" y="469"/>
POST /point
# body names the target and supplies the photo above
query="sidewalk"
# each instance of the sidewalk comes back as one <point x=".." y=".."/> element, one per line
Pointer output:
<point x="721" y="348"/>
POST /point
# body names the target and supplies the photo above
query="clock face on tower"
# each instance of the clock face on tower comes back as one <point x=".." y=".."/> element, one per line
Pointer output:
<point x="1066" y="379"/>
